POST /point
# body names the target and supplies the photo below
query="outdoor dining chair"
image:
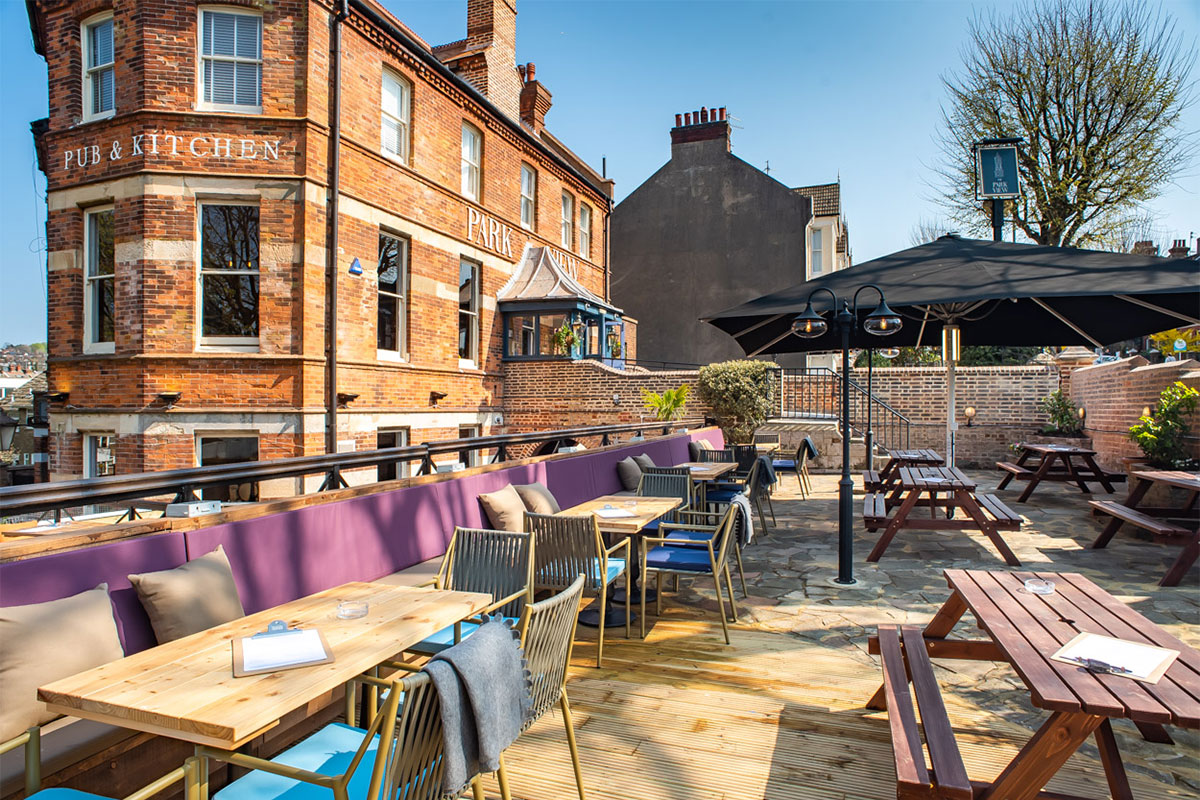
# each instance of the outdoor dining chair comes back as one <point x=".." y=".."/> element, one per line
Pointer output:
<point x="798" y="466"/>
<point x="399" y="754"/>
<point x="679" y="484"/>
<point x="547" y="637"/>
<point x="694" y="556"/>
<point x="753" y="485"/>
<point x="498" y="563"/>
<point x="715" y="456"/>
<point x="568" y="546"/>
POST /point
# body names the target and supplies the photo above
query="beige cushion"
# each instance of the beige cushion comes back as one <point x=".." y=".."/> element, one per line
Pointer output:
<point x="705" y="444"/>
<point x="644" y="461"/>
<point x="195" y="597"/>
<point x="505" y="509"/>
<point x="630" y="473"/>
<point x="537" y="498"/>
<point x="43" y="642"/>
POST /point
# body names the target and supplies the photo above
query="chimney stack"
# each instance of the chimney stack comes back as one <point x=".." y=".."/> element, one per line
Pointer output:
<point x="704" y="124"/>
<point x="487" y="57"/>
<point x="1145" y="248"/>
<point x="1179" y="249"/>
<point x="535" y="100"/>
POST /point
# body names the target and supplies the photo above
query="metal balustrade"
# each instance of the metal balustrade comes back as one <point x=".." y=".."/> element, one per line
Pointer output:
<point x="815" y="393"/>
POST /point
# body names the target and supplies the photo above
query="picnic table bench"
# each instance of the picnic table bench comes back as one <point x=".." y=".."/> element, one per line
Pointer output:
<point x="1177" y="524"/>
<point x="877" y="481"/>
<point x="1066" y="471"/>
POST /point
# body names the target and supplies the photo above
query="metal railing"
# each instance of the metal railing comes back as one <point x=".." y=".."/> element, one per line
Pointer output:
<point x="816" y="393"/>
<point x="183" y="484"/>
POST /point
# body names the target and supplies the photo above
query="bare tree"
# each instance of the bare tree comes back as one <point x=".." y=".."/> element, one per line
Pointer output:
<point x="927" y="229"/>
<point x="1097" y="89"/>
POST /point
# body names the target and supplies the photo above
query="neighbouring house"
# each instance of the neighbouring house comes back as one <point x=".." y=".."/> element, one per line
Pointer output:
<point x="18" y="463"/>
<point x="193" y="272"/>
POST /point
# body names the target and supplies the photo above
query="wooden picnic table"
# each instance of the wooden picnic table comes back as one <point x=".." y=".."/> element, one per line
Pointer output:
<point x="1180" y="524"/>
<point x="890" y="474"/>
<point x="1025" y="630"/>
<point x="939" y="488"/>
<point x="1067" y="471"/>
<point x="185" y="689"/>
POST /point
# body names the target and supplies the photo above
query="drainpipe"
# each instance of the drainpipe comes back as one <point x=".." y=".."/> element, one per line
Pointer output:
<point x="607" y="217"/>
<point x="331" y="303"/>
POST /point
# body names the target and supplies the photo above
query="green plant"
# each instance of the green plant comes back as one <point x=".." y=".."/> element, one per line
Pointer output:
<point x="739" y="393"/>
<point x="1063" y="414"/>
<point x="669" y="404"/>
<point x="1162" y="435"/>
<point x="565" y="339"/>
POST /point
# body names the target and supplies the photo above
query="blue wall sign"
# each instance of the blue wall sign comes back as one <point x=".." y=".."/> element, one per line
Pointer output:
<point x="355" y="267"/>
<point x="997" y="166"/>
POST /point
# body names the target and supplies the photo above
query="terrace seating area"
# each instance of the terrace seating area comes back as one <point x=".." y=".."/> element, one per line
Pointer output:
<point x="778" y="712"/>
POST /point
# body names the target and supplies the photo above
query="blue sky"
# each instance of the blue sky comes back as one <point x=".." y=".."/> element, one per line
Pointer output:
<point x="817" y="89"/>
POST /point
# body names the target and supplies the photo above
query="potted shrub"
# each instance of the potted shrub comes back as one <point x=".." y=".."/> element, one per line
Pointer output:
<point x="1065" y="420"/>
<point x="668" y="405"/>
<point x="1162" y="435"/>
<point x="739" y="393"/>
<point x="565" y="339"/>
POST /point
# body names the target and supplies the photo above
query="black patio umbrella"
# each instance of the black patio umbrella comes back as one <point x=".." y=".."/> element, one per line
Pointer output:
<point x="997" y="292"/>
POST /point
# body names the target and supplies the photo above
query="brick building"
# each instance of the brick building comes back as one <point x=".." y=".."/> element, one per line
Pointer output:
<point x="190" y="153"/>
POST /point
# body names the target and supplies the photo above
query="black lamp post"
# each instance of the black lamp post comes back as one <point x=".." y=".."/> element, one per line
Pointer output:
<point x="810" y="325"/>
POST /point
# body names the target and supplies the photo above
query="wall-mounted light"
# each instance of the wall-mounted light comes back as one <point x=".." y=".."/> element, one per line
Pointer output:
<point x="951" y="344"/>
<point x="169" y="399"/>
<point x="345" y="398"/>
<point x="1147" y="411"/>
<point x="1082" y="413"/>
<point x="616" y="399"/>
<point x="58" y="397"/>
<point x="435" y="396"/>
<point x="969" y="413"/>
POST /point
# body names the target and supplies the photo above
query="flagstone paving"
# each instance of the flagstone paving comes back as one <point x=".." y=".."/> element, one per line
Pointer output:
<point x="790" y="569"/>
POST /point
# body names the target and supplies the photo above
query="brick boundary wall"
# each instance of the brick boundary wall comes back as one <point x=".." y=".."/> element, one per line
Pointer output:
<point x="1114" y="394"/>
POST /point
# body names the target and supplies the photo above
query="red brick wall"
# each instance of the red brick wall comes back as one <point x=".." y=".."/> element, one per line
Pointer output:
<point x="1114" y="395"/>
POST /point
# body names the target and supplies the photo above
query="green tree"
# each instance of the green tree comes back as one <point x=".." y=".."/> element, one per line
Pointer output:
<point x="739" y="393"/>
<point x="1097" y="88"/>
<point x="668" y="405"/>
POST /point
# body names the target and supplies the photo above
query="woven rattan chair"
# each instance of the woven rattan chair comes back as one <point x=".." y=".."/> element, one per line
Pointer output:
<point x="662" y="485"/>
<point x="547" y="637"/>
<point x="708" y="556"/>
<point x="717" y="456"/>
<point x="499" y="563"/>
<point x="398" y="755"/>
<point x="667" y="471"/>
<point x="566" y="547"/>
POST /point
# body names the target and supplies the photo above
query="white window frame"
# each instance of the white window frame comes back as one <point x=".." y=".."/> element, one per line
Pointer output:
<point x="403" y="468"/>
<point x="473" y="458"/>
<point x="89" y="72"/>
<point x="234" y="344"/>
<point x="816" y="250"/>
<point x="529" y="200"/>
<point x="235" y="108"/>
<point x="402" y="299"/>
<point x="90" y="445"/>
<point x="403" y="122"/>
<point x="568" y="221"/>
<point x="90" y="344"/>
<point x="474" y="343"/>
<point x="585" y="230"/>
<point x="472" y="170"/>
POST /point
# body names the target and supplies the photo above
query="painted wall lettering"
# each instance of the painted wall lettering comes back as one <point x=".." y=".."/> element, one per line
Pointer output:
<point x="160" y="143"/>
<point x="489" y="233"/>
<point x="565" y="262"/>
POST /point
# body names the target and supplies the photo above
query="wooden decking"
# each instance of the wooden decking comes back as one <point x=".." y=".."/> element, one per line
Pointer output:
<point x="773" y="716"/>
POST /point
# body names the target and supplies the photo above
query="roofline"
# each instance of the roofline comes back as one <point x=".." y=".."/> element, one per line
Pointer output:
<point x="35" y="27"/>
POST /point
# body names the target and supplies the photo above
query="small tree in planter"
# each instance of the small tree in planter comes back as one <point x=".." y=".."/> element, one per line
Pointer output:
<point x="1063" y="414"/>
<point x="668" y="405"/>
<point x="1162" y="435"/>
<point x="739" y="393"/>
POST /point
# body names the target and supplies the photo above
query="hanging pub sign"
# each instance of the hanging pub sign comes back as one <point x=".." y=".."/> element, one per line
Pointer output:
<point x="996" y="170"/>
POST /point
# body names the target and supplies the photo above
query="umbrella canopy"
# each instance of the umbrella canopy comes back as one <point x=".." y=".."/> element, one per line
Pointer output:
<point x="999" y="293"/>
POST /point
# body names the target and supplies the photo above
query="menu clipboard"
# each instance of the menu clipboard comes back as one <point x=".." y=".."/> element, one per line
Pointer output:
<point x="1141" y="662"/>
<point x="279" y="648"/>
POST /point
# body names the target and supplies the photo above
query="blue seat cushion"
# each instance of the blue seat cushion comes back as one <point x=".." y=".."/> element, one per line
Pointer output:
<point x="445" y="637"/>
<point x="615" y="567"/>
<point x="61" y="793"/>
<point x="684" y="559"/>
<point x="783" y="463"/>
<point x="721" y="495"/>
<point x="326" y="752"/>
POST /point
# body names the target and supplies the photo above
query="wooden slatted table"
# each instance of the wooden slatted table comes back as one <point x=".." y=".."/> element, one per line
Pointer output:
<point x="1067" y="471"/>
<point x="1178" y="523"/>
<point x="185" y="689"/>
<point x="708" y="470"/>
<point x="890" y="474"/>
<point x="943" y="488"/>
<point x="1025" y="630"/>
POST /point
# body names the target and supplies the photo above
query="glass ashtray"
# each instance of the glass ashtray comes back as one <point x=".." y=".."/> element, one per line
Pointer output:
<point x="352" y="609"/>
<point x="1039" y="586"/>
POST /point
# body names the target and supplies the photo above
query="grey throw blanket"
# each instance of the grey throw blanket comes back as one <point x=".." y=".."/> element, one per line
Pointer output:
<point x="486" y="698"/>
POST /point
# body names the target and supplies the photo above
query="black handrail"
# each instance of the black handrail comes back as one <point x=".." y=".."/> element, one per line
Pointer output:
<point x="814" y="392"/>
<point x="184" y="483"/>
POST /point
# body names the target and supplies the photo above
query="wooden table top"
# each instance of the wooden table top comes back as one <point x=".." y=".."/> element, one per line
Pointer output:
<point x="934" y="479"/>
<point x="767" y="447"/>
<point x="185" y="689"/>
<point x="1184" y="480"/>
<point x="925" y="456"/>
<point x="1029" y="628"/>
<point x="1067" y="449"/>
<point x="647" y="510"/>
<point x="708" y="470"/>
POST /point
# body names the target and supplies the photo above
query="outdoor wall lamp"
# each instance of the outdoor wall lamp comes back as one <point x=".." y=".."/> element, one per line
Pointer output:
<point x="1082" y="414"/>
<point x="435" y="396"/>
<point x="169" y="399"/>
<point x="58" y="397"/>
<point x="345" y="398"/>
<point x="8" y="429"/>
<point x="969" y="413"/>
<point x="811" y="325"/>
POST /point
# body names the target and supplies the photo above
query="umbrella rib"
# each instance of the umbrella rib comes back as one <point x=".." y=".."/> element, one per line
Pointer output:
<point x="783" y="335"/>
<point x="758" y="325"/>
<point x="1159" y="309"/>
<point x="921" y="333"/>
<point x="1066" y="321"/>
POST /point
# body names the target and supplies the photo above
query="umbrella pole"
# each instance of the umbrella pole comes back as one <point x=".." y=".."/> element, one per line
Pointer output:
<point x="951" y="419"/>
